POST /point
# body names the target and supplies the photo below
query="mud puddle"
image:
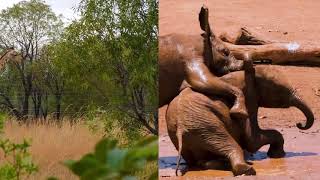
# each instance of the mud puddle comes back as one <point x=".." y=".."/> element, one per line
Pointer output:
<point x="303" y="147"/>
<point x="302" y="159"/>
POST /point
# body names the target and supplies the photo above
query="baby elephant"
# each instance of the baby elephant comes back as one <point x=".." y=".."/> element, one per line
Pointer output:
<point x="202" y="131"/>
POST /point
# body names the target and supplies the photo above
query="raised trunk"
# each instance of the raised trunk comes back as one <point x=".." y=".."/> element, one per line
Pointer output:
<point x="300" y="104"/>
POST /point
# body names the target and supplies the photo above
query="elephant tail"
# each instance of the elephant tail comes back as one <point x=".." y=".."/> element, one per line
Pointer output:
<point x="179" y="137"/>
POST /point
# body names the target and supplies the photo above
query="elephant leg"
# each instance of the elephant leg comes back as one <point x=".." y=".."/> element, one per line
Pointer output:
<point x="202" y="80"/>
<point x="264" y="137"/>
<point x="219" y="142"/>
<point x="185" y="152"/>
<point x="276" y="141"/>
<point x="254" y="137"/>
<point x="188" y="157"/>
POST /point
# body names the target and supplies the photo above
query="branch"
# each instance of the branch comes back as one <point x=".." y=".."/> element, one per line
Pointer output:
<point x="140" y="112"/>
<point x="9" y="105"/>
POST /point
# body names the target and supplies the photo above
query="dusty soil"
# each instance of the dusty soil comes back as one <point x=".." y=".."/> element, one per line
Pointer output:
<point x="286" y="21"/>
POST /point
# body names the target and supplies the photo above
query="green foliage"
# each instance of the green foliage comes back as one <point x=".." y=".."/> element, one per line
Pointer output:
<point x="110" y="162"/>
<point x="20" y="164"/>
<point x="29" y="22"/>
<point x="28" y="26"/>
<point x="17" y="162"/>
<point x="107" y="59"/>
<point x="102" y="67"/>
<point x="112" y="127"/>
<point x="110" y="58"/>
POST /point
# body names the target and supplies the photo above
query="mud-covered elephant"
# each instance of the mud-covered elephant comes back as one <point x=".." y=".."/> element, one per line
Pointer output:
<point x="198" y="60"/>
<point x="202" y="130"/>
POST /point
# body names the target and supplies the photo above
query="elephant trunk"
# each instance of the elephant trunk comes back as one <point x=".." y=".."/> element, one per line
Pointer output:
<point x="300" y="104"/>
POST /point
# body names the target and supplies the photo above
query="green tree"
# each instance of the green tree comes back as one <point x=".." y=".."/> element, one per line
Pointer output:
<point x="112" y="51"/>
<point x="27" y="26"/>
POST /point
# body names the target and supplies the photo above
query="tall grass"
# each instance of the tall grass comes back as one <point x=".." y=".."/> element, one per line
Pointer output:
<point x="53" y="143"/>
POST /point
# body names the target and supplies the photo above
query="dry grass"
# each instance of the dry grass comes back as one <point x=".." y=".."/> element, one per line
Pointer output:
<point x="51" y="144"/>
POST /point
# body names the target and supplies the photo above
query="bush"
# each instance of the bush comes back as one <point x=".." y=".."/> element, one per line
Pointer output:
<point x="18" y="162"/>
<point x="110" y="162"/>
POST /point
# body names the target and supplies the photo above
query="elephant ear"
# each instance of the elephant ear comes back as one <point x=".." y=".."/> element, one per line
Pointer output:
<point x="204" y="20"/>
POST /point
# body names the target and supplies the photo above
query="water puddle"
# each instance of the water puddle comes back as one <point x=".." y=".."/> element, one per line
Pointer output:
<point x="300" y="160"/>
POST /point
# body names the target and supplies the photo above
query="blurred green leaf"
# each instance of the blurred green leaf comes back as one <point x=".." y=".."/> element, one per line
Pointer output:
<point x="86" y="163"/>
<point x="117" y="163"/>
<point x="103" y="147"/>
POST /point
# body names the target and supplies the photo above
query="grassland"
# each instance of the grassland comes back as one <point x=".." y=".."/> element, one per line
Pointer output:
<point x="53" y="143"/>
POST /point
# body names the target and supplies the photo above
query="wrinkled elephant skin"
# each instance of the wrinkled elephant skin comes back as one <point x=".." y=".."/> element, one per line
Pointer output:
<point x="187" y="60"/>
<point x="202" y="130"/>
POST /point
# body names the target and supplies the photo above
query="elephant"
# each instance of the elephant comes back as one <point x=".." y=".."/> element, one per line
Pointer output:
<point x="198" y="61"/>
<point x="202" y="130"/>
<point x="8" y="55"/>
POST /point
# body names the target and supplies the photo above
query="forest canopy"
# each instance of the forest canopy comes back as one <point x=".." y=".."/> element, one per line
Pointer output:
<point x="104" y="62"/>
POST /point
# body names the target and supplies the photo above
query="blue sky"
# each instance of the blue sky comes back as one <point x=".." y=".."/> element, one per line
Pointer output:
<point x="64" y="7"/>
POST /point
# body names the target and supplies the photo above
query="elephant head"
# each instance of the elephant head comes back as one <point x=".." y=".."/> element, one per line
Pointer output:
<point x="273" y="91"/>
<point x="219" y="58"/>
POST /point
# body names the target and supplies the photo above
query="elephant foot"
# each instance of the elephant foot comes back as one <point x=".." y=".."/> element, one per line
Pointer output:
<point x="279" y="153"/>
<point x="243" y="169"/>
<point x="238" y="113"/>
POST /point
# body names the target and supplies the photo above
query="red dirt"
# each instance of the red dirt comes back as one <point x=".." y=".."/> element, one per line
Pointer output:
<point x="286" y="21"/>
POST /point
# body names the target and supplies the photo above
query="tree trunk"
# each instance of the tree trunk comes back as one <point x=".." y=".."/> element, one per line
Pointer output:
<point x="37" y="100"/>
<point x="139" y="108"/>
<point x="58" y="106"/>
<point x="44" y="106"/>
<point x="25" y="105"/>
<point x="27" y="93"/>
<point x="8" y="104"/>
<point x="39" y="104"/>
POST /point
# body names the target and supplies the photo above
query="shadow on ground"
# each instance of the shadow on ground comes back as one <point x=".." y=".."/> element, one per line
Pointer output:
<point x="171" y="161"/>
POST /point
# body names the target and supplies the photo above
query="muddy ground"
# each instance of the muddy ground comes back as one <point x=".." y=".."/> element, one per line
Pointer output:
<point x="285" y="21"/>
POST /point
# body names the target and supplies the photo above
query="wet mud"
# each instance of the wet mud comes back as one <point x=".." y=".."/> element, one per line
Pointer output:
<point x="302" y="158"/>
<point x="290" y="21"/>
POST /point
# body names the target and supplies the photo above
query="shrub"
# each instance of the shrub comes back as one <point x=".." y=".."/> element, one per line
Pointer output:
<point x="17" y="162"/>
<point x="110" y="162"/>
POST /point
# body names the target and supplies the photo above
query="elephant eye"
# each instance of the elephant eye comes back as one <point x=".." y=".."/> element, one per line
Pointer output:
<point x="225" y="52"/>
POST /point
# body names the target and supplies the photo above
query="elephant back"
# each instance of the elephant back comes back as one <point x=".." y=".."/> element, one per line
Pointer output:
<point x="191" y="110"/>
